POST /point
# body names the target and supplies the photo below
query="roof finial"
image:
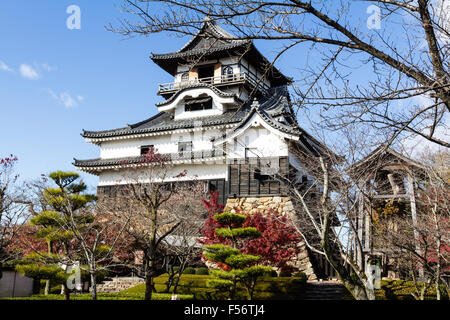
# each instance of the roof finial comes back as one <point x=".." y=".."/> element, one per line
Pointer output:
<point x="255" y="103"/>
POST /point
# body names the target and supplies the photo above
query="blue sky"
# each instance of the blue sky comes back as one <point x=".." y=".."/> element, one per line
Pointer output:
<point x="54" y="82"/>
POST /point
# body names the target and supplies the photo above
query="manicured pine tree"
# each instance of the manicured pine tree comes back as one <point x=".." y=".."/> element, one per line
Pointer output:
<point x="56" y="225"/>
<point x="235" y="267"/>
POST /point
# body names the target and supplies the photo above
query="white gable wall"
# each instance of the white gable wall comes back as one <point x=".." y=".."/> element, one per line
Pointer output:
<point x="262" y="143"/>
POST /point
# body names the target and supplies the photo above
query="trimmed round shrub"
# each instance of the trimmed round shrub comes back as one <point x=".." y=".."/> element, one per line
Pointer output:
<point x="271" y="273"/>
<point x="284" y="274"/>
<point x="189" y="270"/>
<point x="301" y="275"/>
<point x="202" y="271"/>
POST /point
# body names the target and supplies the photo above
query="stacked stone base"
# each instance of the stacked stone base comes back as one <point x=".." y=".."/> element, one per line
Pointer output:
<point x="116" y="285"/>
<point x="278" y="205"/>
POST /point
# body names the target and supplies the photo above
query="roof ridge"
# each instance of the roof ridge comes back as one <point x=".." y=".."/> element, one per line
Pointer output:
<point x="215" y="29"/>
<point x="132" y="126"/>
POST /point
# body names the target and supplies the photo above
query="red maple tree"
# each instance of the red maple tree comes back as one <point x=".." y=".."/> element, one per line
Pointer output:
<point x="213" y="207"/>
<point x="278" y="246"/>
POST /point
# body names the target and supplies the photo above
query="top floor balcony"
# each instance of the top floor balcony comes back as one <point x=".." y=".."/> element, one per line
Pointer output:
<point x="223" y="80"/>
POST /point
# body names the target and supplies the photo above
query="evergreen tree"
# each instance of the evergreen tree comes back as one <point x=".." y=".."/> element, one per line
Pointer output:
<point x="62" y="216"/>
<point x="235" y="267"/>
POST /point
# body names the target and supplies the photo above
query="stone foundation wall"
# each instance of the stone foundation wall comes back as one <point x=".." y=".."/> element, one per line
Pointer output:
<point x="281" y="206"/>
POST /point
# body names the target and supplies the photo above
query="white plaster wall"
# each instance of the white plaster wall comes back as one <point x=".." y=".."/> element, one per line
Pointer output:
<point x="218" y="103"/>
<point x="203" y="171"/>
<point x="262" y="142"/>
<point x="13" y="284"/>
<point x="201" y="140"/>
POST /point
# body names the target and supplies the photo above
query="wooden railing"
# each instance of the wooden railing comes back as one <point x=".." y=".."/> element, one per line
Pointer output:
<point x="191" y="155"/>
<point x="219" y="80"/>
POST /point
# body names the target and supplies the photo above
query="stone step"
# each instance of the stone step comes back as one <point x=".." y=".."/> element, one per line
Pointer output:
<point x="324" y="291"/>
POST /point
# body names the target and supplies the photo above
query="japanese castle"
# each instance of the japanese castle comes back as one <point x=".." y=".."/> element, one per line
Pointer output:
<point x="226" y="120"/>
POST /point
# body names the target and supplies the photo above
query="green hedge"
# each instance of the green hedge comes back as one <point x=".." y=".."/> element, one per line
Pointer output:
<point x="202" y="271"/>
<point x="402" y="289"/>
<point x="189" y="270"/>
<point x="266" y="288"/>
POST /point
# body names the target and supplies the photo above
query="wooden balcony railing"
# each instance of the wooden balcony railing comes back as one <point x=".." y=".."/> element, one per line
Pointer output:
<point x="217" y="81"/>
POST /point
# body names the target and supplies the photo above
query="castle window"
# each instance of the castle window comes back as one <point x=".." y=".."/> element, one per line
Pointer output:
<point x="227" y="72"/>
<point x="260" y="176"/>
<point x="198" y="104"/>
<point x="235" y="145"/>
<point x="206" y="72"/>
<point x="184" y="146"/>
<point x="146" y="149"/>
<point x="249" y="152"/>
<point x="184" y="76"/>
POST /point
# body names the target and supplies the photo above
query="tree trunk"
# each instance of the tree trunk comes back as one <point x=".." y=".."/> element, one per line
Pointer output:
<point x="47" y="287"/>
<point x="47" y="282"/>
<point x="177" y="281"/>
<point x="178" y="276"/>
<point x="357" y="288"/>
<point x="94" y="285"/>
<point x="149" y="285"/>
<point x="233" y="288"/>
<point x="66" y="292"/>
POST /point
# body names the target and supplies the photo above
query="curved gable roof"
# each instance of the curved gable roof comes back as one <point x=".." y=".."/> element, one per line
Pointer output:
<point x="214" y="41"/>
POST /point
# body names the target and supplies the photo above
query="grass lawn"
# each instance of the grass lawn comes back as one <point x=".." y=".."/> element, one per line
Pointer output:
<point x="193" y="287"/>
<point x="267" y="288"/>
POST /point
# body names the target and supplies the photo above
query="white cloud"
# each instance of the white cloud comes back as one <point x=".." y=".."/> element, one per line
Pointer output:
<point x="28" y="72"/>
<point x="4" y="67"/>
<point x="66" y="99"/>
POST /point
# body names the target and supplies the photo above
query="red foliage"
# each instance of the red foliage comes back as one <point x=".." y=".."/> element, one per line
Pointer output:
<point x="8" y="161"/>
<point x="212" y="206"/>
<point x="278" y="244"/>
<point x="25" y="241"/>
<point x="152" y="156"/>
<point x="435" y="199"/>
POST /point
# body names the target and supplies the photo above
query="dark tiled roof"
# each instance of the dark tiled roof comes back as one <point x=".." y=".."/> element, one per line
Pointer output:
<point x="215" y="42"/>
<point x="188" y="155"/>
<point x="210" y="38"/>
<point x="213" y="48"/>
<point x="163" y="122"/>
<point x="385" y="155"/>
<point x="274" y="104"/>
